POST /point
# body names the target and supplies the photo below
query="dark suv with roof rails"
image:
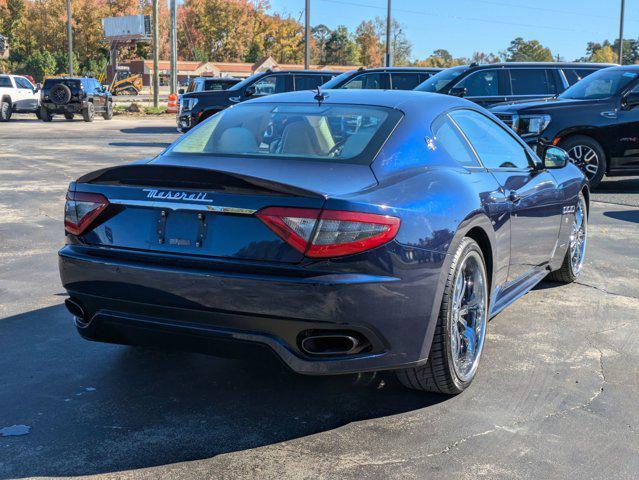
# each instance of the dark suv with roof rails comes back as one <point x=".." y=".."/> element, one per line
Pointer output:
<point x="596" y="121"/>
<point x="197" y="106"/>
<point x="488" y="84"/>
<point x="383" y="78"/>
<point x="75" y="95"/>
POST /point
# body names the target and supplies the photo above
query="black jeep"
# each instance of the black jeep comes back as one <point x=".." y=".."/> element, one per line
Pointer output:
<point x="69" y="96"/>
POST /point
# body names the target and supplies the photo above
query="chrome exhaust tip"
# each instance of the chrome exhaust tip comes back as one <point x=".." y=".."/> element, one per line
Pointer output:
<point x="330" y="344"/>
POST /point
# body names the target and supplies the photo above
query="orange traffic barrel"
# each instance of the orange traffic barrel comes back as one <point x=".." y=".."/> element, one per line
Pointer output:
<point x="171" y="107"/>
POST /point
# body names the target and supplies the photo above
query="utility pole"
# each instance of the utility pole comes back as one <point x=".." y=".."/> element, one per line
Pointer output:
<point x="623" y="5"/>
<point x="307" y="35"/>
<point x="155" y="34"/>
<point x="173" y="39"/>
<point x="389" y="61"/>
<point x="70" y="38"/>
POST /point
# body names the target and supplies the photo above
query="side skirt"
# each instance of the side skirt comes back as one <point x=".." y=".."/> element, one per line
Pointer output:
<point x="505" y="297"/>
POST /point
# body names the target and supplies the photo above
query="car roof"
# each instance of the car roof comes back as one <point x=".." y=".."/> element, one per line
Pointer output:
<point x="405" y="100"/>
<point x="401" y="69"/>
<point x="541" y="64"/>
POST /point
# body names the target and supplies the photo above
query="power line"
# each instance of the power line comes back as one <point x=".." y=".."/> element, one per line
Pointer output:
<point x="453" y="17"/>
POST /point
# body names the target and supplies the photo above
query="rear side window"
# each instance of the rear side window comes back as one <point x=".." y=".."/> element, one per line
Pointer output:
<point x="5" y="82"/>
<point x="573" y="75"/>
<point x="447" y="136"/>
<point x="404" y="80"/>
<point x="270" y="85"/>
<point x="494" y="145"/>
<point x="23" y="83"/>
<point x="212" y="85"/>
<point x="531" y="81"/>
<point x="335" y="133"/>
<point x="369" y="81"/>
<point x="484" y="83"/>
<point x="307" y="82"/>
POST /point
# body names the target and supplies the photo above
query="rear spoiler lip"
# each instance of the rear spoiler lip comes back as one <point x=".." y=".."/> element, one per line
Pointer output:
<point x="93" y="177"/>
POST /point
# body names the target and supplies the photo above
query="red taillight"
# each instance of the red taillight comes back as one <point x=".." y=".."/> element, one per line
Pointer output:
<point x="329" y="233"/>
<point x="81" y="209"/>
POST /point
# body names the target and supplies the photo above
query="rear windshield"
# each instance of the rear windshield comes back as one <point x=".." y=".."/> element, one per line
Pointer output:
<point x="50" y="82"/>
<point x="336" y="133"/>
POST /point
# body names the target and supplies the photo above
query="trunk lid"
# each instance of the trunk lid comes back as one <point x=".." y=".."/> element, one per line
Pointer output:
<point x="204" y="207"/>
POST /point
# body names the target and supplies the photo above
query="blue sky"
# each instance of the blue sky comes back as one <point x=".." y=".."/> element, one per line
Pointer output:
<point x="463" y="26"/>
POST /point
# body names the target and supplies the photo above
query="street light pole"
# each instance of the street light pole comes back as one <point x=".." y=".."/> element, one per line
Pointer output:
<point x="156" y="61"/>
<point x="388" y="35"/>
<point x="173" y="40"/>
<point x="70" y="38"/>
<point x="623" y="4"/>
<point x="307" y="35"/>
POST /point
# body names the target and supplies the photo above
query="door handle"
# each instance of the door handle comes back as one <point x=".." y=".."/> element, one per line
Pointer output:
<point x="513" y="196"/>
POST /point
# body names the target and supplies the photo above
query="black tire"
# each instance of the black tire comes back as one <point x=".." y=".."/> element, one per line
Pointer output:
<point x="68" y="116"/>
<point x="108" y="113"/>
<point x="88" y="112"/>
<point x="438" y="374"/>
<point x="567" y="272"/>
<point x="574" y="142"/>
<point x="5" y="111"/>
<point x="37" y="114"/>
<point x="45" y="116"/>
<point x="60" y="94"/>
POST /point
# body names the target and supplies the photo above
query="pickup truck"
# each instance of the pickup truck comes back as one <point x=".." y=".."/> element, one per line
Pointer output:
<point x="17" y="94"/>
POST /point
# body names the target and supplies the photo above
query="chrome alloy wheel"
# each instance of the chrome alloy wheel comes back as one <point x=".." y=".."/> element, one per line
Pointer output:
<point x="586" y="159"/>
<point x="578" y="238"/>
<point x="468" y="315"/>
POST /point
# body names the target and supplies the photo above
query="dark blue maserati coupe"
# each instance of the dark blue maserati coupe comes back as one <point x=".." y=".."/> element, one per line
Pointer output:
<point x="345" y="231"/>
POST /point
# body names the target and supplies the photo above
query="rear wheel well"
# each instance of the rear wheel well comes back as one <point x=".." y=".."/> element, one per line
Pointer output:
<point x="6" y="98"/>
<point x="480" y="236"/>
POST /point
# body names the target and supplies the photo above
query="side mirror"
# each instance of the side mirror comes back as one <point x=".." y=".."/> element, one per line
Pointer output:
<point x="555" y="157"/>
<point x="250" y="91"/>
<point x="458" y="91"/>
<point x="630" y="101"/>
<point x="181" y="91"/>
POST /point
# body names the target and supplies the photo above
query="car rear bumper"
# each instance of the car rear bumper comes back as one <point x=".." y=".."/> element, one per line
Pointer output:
<point x="133" y="302"/>
<point x="75" y="107"/>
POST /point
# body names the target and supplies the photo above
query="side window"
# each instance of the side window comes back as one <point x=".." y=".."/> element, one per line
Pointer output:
<point x="494" y="145"/>
<point x="270" y="85"/>
<point x="531" y="81"/>
<point x="484" y="83"/>
<point x="404" y="80"/>
<point x="23" y="83"/>
<point x="5" y="82"/>
<point x="307" y="82"/>
<point x="369" y="81"/>
<point x="447" y="136"/>
<point x="571" y="75"/>
<point x="583" y="73"/>
<point x="326" y="78"/>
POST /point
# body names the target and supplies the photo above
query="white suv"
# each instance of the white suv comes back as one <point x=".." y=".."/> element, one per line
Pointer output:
<point x="17" y="94"/>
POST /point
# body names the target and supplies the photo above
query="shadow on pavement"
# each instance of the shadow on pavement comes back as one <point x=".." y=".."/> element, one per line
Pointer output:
<point x="612" y="185"/>
<point x="625" y="215"/>
<point x="140" y="144"/>
<point x="95" y="408"/>
<point x="151" y="130"/>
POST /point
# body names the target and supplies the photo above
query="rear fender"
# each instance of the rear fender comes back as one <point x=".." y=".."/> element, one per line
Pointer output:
<point x="478" y="220"/>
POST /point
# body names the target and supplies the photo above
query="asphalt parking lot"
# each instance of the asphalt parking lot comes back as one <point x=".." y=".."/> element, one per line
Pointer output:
<point x="556" y="395"/>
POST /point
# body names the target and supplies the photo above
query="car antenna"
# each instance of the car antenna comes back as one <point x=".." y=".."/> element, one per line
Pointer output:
<point x="319" y="96"/>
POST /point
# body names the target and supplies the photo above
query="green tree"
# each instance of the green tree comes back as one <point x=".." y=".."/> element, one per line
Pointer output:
<point x="521" y="50"/>
<point x="39" y="64"/>
<point x="341" y="49"/>
<point x="400" y="45"/>
<point x="604" y="54"/>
